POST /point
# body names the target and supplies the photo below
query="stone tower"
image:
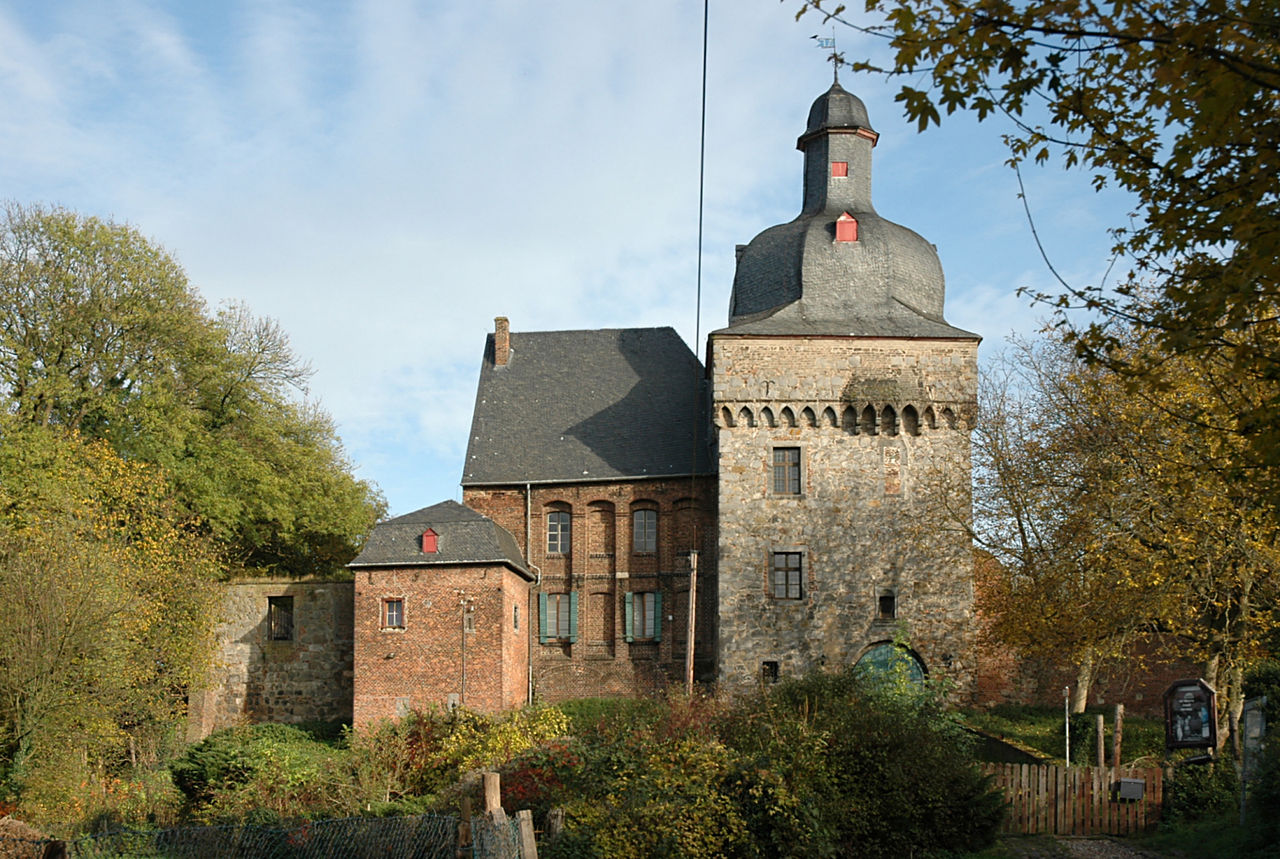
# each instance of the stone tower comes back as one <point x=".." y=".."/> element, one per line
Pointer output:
<point x="842" y="401"/>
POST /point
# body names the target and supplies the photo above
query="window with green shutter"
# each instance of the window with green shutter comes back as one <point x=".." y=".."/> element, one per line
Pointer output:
<point x="557" y="618"/>
<point x="643" y="616"/>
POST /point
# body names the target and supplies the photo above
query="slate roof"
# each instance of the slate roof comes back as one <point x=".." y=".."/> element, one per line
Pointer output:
<point x="464" y="537"/>
<point x="573" y="406"/>
<point x="796" y="279"/>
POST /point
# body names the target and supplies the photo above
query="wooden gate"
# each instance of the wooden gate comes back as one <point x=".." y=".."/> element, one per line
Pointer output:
<point x="1058" y="800"/>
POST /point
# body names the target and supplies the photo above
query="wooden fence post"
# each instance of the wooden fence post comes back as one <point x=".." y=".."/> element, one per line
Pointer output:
<point x="528" y="844"/>
<point x="1102" y="743"/>
<point x="492" y="792"/>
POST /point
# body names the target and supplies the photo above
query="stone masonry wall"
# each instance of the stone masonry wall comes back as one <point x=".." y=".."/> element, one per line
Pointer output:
<point x="879" y="423"/>
<point x="461" y="643"/>
<point x="602" y="567"/>
<point x="257" y="679"/>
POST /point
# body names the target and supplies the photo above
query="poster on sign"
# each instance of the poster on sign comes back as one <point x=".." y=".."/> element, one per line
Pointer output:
<point x="1190" y="715"/>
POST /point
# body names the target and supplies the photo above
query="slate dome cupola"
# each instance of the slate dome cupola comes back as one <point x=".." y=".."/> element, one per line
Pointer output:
<point x="874" y="278"/>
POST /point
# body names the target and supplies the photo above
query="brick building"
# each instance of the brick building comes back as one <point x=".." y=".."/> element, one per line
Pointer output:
<point x="789" y="469"/>
<point x="605" y="467"/>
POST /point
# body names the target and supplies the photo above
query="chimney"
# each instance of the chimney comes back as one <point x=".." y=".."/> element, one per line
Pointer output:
<point x="501" y="341"/>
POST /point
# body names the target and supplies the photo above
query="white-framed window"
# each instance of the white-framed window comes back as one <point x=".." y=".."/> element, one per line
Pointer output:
<point x="643" y="616"/>
<point x="559" y="532"/>
<point x="393" y="613"/>
<point x="786" y="471"/>
<point x="644" y="531"/>
<point x="787" y="575"/>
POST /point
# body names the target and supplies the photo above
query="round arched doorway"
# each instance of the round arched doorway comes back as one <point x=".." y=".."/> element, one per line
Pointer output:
<point x="887" y="658"/>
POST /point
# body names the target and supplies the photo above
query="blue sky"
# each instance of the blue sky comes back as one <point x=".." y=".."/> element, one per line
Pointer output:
<point x="385" y="178"/>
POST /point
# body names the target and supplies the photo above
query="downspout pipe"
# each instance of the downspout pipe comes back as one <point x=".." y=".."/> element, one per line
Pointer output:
<point x="537" y="585"/>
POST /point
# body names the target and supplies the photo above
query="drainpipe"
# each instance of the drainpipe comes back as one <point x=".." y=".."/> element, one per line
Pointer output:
<point x="537" y="584"/>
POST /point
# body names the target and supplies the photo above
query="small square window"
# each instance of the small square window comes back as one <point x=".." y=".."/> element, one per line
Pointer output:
<point x="280" y="618"/>
<point x="769" y="671"/>
<point x="786" y="471"/>
<point x="393" y="613"/>
<point x="787" y="569"/>
<point x="888" y="606"/>
<point x="839" y="169"/>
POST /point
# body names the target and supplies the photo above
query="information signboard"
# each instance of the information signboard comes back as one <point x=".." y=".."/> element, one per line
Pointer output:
<point x="1190" y="715"/>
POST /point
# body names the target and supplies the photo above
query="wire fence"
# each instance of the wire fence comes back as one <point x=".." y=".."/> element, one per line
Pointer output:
<point x="426" y="836"/>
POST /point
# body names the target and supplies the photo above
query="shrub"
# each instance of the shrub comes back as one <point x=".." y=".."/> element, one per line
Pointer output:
<point x="272" y="770"/>
<point x="1201" y="792"/>
<point x="845" y="765"/>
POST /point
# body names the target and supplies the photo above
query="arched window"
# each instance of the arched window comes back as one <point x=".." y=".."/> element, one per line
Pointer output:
<point x="559" y="532"/>
<point x="644" y="530"/>
<point x="810" y="419"/>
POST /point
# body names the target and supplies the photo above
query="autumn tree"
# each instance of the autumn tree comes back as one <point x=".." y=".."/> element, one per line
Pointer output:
<point x="1176" y="102"/>
<point x="1109" y="523"/>
<point x="110" y="601"/>
<point x="101" y="335"/>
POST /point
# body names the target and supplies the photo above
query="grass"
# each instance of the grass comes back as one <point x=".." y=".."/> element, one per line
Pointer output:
<point x="1041" y="729"/>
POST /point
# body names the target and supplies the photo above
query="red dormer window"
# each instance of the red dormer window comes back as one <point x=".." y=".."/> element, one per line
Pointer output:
<point x="846" y="228"/>
<point x="430" y="542"/>
<point x="840" y="169"/>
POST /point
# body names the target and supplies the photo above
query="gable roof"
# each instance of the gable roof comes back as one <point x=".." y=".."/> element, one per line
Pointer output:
<point x="465" y="537"/>
<point x="572" y="406"/>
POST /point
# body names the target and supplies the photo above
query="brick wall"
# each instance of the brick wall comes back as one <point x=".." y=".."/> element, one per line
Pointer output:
<point x="459" y="642"/>
<point x="878" y="424"/>
<point x="602" y="567"/>
<point x="307" y="677"/>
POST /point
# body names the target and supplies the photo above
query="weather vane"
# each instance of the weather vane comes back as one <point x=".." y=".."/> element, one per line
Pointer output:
<point x="835" y="58"/>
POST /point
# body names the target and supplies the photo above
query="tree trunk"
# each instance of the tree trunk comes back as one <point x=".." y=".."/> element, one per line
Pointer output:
<point x="1084" y="682"/>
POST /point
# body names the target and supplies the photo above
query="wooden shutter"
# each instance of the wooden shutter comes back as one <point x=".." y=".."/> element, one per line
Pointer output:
<point x="628" y="611"/>
<point x="542" y="618"/>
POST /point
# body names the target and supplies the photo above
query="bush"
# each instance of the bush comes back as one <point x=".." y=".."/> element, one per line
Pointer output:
<point x="1201" y="792"/>
<point x="869" y="769"/>
<point x="828" y="765"/>
<point x="242" y="773"/>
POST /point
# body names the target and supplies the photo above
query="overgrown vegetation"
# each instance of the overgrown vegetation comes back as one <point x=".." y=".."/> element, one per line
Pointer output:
<point x="149" y="449"/>
<point x="827" y="765"/>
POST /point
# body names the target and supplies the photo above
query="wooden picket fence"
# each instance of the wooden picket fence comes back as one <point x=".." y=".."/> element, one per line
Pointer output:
<point x="1058" y="800"/>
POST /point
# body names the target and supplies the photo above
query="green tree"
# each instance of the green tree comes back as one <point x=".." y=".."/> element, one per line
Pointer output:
<point x="1176" y="102"/>
<point x="109" y="595"/>
<point x="102" y="335"/>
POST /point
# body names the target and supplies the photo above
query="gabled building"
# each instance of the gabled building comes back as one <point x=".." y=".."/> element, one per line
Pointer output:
<point x="441" y="615"/>
<point x="604" y="468"/>
<point x="791" y="469"/>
